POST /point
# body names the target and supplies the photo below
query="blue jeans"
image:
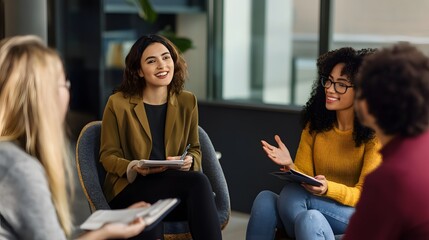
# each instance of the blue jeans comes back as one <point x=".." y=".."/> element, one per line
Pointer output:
<point x="264" y="217"/>
<point x="302" y="214"/>
<point x="307" y="216"/>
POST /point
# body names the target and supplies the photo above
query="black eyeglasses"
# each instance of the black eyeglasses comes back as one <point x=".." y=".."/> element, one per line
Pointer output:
<point x="339" y="87"/>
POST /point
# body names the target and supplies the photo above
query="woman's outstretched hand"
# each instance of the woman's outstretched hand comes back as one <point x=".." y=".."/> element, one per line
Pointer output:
<point x="280" y="155"/>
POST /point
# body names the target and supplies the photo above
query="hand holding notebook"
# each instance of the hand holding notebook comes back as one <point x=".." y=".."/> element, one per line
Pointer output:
<point x="298" y="177"/>
<point x="144" y="163"/>
<point x="151" y="214"/>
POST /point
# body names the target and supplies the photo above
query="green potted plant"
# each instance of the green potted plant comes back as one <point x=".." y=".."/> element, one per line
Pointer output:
<point x="147" y="13"/>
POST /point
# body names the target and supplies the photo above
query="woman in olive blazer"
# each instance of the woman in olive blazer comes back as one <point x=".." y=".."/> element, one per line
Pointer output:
<point x="126" y="135"/>
<point x="150" y="116"/>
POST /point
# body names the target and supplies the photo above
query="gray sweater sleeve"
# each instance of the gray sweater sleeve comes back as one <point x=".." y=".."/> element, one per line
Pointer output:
<point x="26" y="206"/>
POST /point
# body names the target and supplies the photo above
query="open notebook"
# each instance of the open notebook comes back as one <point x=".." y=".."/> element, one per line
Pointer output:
<point x="151" y="215"/>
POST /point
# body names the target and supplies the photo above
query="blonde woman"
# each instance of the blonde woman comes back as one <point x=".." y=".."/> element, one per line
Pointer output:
<point x="34" y="97"/>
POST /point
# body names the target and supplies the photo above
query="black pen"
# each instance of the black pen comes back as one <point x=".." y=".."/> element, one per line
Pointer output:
<point x="185" y="152"/>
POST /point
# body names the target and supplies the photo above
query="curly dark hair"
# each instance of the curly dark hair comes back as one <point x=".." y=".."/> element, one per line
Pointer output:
<point x="132" y="84"/>
<point x="395" y="84"/>
<point x="315" y="113"/>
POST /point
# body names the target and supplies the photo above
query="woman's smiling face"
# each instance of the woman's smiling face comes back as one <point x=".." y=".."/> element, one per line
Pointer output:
<point x="336" y="101"/>
<point x="156" y="66"/>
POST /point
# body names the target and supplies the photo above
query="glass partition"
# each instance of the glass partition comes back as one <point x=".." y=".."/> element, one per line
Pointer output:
<point x="270" y="47"/>
<point x="366" y="23"/>
<point x="269" y="50"/>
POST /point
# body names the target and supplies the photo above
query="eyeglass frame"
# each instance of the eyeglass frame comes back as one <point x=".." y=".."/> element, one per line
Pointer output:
<point x="66" y="85"/>
<point x="335" y="84"/>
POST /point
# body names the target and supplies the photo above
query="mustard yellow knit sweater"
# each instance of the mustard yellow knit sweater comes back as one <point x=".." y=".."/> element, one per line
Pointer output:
<point x="334" y="154"/>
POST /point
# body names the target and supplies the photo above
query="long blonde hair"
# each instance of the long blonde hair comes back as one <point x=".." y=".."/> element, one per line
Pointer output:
<point x="30" y="111"/>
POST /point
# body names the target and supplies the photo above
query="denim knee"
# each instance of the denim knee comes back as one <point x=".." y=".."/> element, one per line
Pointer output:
<point x="312" y="224"/>
<point x="263" y="217"/>
<point x="265" y="202"/>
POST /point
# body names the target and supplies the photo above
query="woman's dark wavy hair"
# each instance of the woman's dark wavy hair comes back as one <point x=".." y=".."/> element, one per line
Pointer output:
<point x="315" y="114"/>
<point x="395" y="84"/>
<point x="132" y="84"/>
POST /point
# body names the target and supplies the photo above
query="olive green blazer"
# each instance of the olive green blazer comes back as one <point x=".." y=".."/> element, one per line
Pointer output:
<point x="125" y="135"/>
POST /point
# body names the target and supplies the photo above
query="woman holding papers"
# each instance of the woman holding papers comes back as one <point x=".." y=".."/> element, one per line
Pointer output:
<point x="334" y="148"/>
<point x="150" y="116"/>
<point x="34" y="172"/>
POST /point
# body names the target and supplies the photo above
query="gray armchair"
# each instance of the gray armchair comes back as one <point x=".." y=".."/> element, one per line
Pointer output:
<point x="91" y="176"/>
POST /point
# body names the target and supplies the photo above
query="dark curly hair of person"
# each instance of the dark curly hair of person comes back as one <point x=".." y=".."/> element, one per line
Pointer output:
<point x="395" y="84"/>
<point x="314" y="113"/>
<point x="132" y="84"/>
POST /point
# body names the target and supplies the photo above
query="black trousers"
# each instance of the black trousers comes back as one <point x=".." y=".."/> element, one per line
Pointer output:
<point x="196" y="206"/>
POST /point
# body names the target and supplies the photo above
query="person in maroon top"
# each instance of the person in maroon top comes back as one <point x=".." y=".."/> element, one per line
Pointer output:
<point x="392" y="97"/>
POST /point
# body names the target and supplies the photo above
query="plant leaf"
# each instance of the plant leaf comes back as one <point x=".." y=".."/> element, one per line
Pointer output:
<point x="148" y="11"/>
<point x="145" y="10"/>
<point x="182" y="43"/>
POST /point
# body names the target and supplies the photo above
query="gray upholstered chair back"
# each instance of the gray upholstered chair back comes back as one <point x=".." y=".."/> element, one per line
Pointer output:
<point x="213" y="170"/>
<point x="92" y="174"/>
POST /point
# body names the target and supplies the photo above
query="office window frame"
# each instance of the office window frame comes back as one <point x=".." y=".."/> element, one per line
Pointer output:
<point x="215" y="46"/>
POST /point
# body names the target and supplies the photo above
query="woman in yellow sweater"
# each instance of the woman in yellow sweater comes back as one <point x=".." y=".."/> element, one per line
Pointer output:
<point x="334" y="148"/>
